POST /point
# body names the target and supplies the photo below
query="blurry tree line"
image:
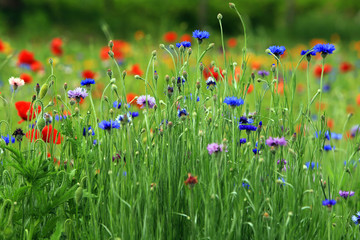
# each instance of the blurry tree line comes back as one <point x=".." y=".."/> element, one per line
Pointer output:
<point x="296" y="18"/>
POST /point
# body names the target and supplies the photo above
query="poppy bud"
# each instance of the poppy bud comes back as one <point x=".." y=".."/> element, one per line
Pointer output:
<point x="172" y="47"/>
<point x="77" y="110"/>
<point x="111" y="54"/>
<point x="211" y="45"/>
<point x="40" y="124"/>
<point x="33" y="98"/>
<point x="232" y="5"/>
<point x="124" y="74"/>
<point x="43" y="91"/>
<point x="153" y="53"/>
<point x="167" y="79"/>
<point x="219" y="16"/>
<point x="65" y="86"/>
<point x="78" y="195"/>
<point x="37" y="88"/>
<point x="162" y="46"/>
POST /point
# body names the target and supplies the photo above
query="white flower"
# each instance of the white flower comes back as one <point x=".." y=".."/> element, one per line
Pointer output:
<point x="16" y="82"/>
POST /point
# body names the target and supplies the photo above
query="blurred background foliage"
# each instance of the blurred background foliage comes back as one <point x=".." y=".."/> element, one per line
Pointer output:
<point x="290" y="19"/>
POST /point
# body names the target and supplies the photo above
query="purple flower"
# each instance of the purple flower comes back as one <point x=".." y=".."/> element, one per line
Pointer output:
<point x="263" y="73"/>
<point x="215" y="148"/>
<point x="242" y="141"/>
<point x="247" y="127"/>
<point x="275" y="142"/>
<point x="143" y="99"/>
<point x="78" y="93"/>
<point x="346" y="194"/>
<point x="234" y="101"/>
<point x="182" y="113"/>
<point x="283" y="163"/>
<point x="354" y="130"/>
<point x="200" y="35"/>
<point x="328" y="148"/>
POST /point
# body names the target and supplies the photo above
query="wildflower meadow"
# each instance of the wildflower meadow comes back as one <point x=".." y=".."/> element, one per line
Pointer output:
<point x="198" y="136"/>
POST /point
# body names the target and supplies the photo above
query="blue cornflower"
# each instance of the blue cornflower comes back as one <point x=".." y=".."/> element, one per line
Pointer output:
<point x="86" y="133"/>
<point x="233" y="101"/>
<point x="200" y="35"/>
<point x="180" y="80"/>
<point x="117" y="104"/>
<point x="328" y="148"/>
<point x="242" y="140"/>
<point x="108" y="125"/>
<point x="182" y="113"/>
<point x="60" y="117"/>
<point x="312" y="166"/>
<point x="356" y="218"/>
<point x="326" y="88"/>
<point x="244" y="120"/>
<point x="281" y="180"/>
<point x="277" y="50"/>
<point x="185" y="44"/>
<point x="327" y="136"/>
<point x="8" y="138"/>
<point x="245" y="185"/>
<point x="211" y="83"/>
<point x="87" y="82"/>
<point x="329" y="203"/>
<point x="126" y="118"/>
<point x="324" y="49"/>
<point x="255" y="151"/>
<point x="134" y="114"/>
<point x="247" y="127"/>
<point x="308" y="52"/>
<point x="336" y="136"/>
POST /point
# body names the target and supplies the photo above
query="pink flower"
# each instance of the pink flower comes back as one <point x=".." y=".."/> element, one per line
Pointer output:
<point x="215" y="148"/>
<point x="16" y="82"/>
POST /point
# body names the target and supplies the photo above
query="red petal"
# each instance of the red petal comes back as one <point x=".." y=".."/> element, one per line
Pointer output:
<point x="48" y="134"/>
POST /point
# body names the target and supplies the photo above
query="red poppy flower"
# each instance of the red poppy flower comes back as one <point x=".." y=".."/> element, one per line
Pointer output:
<point x="318" y="69"/>
<point x="330" y="123"/>
<point x="170" y="37"/>
<point x="191" y="181"/>
<point x="358" y="99"/>
<point x="36" y="66"/>
<point x="26" y="57"/>
<point x="2" y="46"/>
<point x="130" y="99"/>
<point x="135" y="70"/>
<point x="56" y="46"/>
<point x="186" y="37"/>
<point x="232" y="42"/>
<point x="280" y="88"/>
<point x="250" y="89"/>
<point x="26" y="77"/>
<point x="209" y="72"/>
<point x="50" y="134"/>
<point x="32" y="135"/>
<point x="23" y="108"/>
<point x="346" y="67"/>
<point x="88" y="74"/>
<point x="255" y="65"/>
